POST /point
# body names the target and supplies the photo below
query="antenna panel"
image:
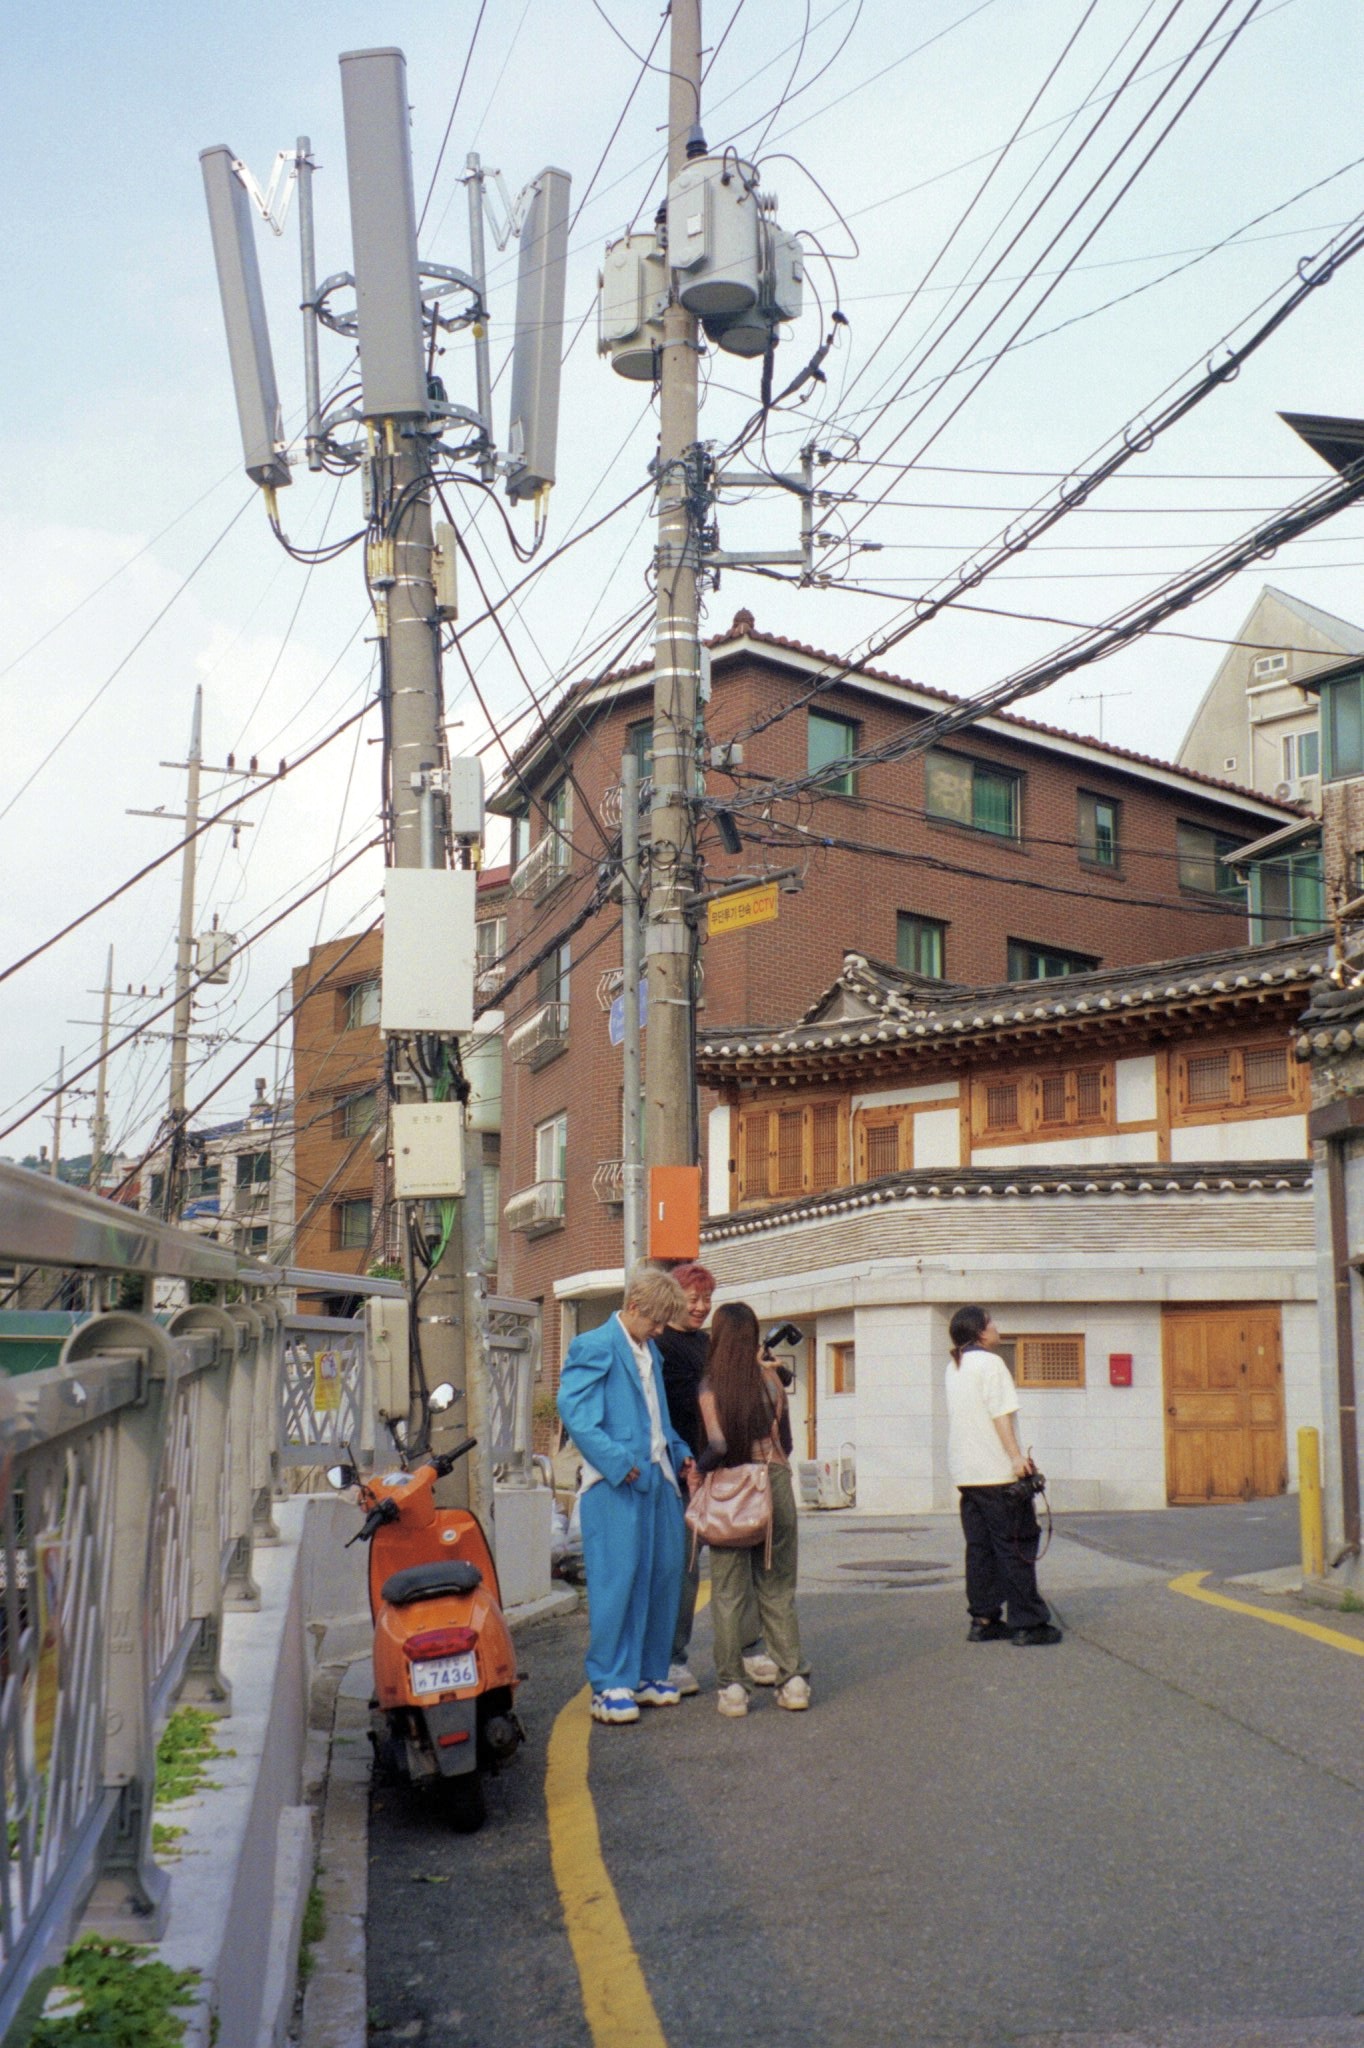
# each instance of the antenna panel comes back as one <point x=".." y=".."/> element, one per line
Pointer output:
<point x="538" y="346"/>
<point x="383" y="226"/>
<point x="248" y="334"/>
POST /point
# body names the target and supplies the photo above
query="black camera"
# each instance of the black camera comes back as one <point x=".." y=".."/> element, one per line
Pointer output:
<point x="1025" y="1488"/>
<point x="782" y="1334"/>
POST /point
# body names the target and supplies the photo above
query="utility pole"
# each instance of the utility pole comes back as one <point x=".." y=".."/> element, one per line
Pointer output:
<point x="632" y="1157"/>
<point x="670" y="944"/>
<point x="57" y="1115"/>
<point x="99" y="1128"/>
<point x="184" y="963"/>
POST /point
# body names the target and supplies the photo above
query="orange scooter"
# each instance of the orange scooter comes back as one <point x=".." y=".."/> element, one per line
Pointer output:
<point x="445" y="1672"/>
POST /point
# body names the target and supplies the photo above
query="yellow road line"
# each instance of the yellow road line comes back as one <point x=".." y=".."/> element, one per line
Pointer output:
<point x="1191" y="1585"/>
<point x="616" y="2001"/>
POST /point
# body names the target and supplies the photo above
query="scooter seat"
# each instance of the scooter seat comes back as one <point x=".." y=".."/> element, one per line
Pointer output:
<point x="425" y="1581"/>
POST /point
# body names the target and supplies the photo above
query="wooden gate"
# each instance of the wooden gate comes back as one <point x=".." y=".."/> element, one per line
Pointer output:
<point x="1224" y="1419"/>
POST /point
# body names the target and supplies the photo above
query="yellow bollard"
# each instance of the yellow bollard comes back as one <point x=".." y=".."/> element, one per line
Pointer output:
<point x="1309" y="1504"/>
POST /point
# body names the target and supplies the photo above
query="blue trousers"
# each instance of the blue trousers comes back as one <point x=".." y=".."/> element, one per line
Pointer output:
<point x="633" y="1554"/>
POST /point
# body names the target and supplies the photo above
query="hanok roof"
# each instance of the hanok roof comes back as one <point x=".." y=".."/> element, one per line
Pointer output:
<point x="540" y="750"/>
<point x="877" y="1017"/>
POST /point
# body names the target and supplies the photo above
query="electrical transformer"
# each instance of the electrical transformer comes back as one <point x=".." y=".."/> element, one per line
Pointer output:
<point x="634" y="291"/>
<point x="780" y="294"/>
<point x="713" y="236"/>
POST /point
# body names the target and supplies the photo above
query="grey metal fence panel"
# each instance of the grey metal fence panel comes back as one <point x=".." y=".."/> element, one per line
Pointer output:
<point x="511" y="1350"/>
<point x="323" y="1389"/>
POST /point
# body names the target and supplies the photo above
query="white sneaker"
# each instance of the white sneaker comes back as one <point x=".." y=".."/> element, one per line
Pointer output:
<point x="682" y="1676"/>
<point x="795" y="1694"/>
<point x="733" y="1701"/>
<point x="761" y="1669"/>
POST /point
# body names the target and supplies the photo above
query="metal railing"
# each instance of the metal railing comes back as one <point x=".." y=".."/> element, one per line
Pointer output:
<point x="544" y="867"/>
<point x="135" y="1476"/>
<point x="540" y="1206"/>
<point x="543" y="1031"/>
<point x="511" y="1352"/>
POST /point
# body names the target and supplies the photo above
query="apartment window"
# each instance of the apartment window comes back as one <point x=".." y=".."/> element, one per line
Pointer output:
<point x="252" y="1168"/>
<point x="558" y="814"/>
<point x="1098" y="830"/>
<point x="1270" y="665"/>
<point x="1042" y="1105"/>
<point x="1301" y="754"/>
<point x="490" y="943"/>
<point x="254" y="1238"/>
<point x="354" y="1224"/>
<point x="1287" y="897"/>
<point x="1235" y="1077"/>
<point x="1342" y="727"/>
<point x="829" y="741"/>
<point x="359" y="1113"/>
<point x="883" y="1141"/>
<point x="920" y="944"/>
<point x="1027" y="962"/>
<point x="362" y="1004"/>
<point x="156" y="1190"/>
<point x="520" y="835"/>
<point x="800" y="1149"/>
<point x="1045" y="1361"/>
<point x="842" y="1368"/>
<point x="203" y="1182"/>
<point x="551" y="981"/>
<point x="551" y="1149"/>
<point x="1201" y="855"/>
<point x="639" y="741"/>
<point x="973" y="793"/>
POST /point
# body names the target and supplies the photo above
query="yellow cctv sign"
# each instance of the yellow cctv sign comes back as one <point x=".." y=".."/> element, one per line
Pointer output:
<point x="736" y="913"/>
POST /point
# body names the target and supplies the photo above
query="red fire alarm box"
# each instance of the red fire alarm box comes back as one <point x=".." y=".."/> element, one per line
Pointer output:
<point x="674" y="1212"/>
<point x="1119" y="1368"/>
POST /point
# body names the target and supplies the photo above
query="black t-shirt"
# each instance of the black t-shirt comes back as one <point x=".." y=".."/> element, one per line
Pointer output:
<point x="684" y="1360"/>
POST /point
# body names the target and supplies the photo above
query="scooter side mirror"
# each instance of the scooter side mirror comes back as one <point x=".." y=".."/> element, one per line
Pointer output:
<point x="340" y="1476"/>
<point x="441" y="1398"/>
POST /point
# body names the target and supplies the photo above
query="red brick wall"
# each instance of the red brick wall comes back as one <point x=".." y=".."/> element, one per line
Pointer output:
<point x="849" y="902"/>
<point x="331" y="1061"/>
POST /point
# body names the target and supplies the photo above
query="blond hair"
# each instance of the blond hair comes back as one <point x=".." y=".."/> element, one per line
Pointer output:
<point x="655" y="1293"/>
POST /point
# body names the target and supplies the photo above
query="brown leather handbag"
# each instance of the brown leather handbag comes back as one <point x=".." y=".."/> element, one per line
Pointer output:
<point x="732" y="1509"/>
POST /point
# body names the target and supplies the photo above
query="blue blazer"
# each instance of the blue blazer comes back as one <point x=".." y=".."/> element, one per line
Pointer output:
<point x="602" y="1404"/>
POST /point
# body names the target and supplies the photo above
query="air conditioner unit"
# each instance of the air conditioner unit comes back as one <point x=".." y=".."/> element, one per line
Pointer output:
<point x="541" y="1203"/>
<point x="1282" y="792"/>
<point x="829" y="1482"/>
<point x="1309" y="789"/>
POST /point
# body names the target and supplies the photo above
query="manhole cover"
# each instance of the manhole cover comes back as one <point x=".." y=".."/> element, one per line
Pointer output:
<point x="893" y="1564"/>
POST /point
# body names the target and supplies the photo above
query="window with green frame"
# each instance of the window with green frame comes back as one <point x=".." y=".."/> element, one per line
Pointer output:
<point x="974" y="793"/>
<point x="831" y="740"/>
<point x="920" y="944"/>
<point x="1287" y="897"/>
<point x="1342" y="726"/>
<point x="1027" y="962"/>
<point x="1097" y="836"/>
<point x="639" y="741"/>
<point x="1201" y="861"/>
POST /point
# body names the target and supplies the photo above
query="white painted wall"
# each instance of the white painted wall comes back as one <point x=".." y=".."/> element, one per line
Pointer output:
<point x="937" y="1138"/>
<point x="887" y="1098"/>
<point x="1124" y="1148"/>
<point x="894" y="1425"/>
<point x="718" y="1156"/>
<point x="1135" y="1088"/>
<point x="1262" y="1137"/>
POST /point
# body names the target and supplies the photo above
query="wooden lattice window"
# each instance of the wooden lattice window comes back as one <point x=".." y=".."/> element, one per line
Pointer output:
<point x="799" y="1149"/>
<point x="1041" y="1105"/>
<point x="1229" y="1078"/>
<point x="883" y="1141"/>
<point x="1049" y="1361"/>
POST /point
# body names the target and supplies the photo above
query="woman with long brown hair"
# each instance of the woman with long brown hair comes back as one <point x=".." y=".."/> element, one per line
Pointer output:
<point x="741" y="1408"/>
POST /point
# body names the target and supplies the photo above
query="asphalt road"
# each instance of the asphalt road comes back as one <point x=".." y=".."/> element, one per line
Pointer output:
<point x="1152" y="1833"/>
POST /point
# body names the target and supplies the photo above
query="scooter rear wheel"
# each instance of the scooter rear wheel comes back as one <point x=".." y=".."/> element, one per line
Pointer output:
<point x="464" y="1803"/>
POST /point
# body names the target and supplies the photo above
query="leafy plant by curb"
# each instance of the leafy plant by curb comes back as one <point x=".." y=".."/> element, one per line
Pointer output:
<point x="1350" y="1603"/>
<point x="111" y="1994"/>
<point x="313" y="1928"/>
<point x="185" y="1749"/>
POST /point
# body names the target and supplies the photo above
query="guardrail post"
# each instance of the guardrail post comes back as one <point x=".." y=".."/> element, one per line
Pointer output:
<point x="203" y="1681"/>
<point x="265" y="1423"/>
<point x="130" y="1894"/>
<point x="240" y="1590"/>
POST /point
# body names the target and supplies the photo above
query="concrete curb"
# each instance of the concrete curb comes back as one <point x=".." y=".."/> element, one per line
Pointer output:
<point x="335" y="2004"/>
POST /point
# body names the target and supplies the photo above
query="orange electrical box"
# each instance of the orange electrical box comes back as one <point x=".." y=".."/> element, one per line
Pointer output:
<point x="674" y="1212"/>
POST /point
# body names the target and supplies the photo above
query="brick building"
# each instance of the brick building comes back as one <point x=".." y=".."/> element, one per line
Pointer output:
<point x="1012" y="851"/>
<point x="343" y="1222"/>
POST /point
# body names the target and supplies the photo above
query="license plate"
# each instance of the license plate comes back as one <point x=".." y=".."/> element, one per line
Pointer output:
<point x="445" y="1674"/>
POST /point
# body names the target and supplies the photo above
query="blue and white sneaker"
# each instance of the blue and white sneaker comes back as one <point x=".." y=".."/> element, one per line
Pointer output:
<point x="657" y="1692"/>
<point x="615" y="1706"/>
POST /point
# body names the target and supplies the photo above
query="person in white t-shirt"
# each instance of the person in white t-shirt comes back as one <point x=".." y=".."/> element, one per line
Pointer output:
<point x="985" y="1459"/>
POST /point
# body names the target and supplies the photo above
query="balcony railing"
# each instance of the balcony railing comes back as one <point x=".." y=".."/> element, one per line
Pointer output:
<point x="608" y="1182"/>
<point x="543" y="868"/>
<point x="544" y="1033"/>
<point x="538" y="1207"/>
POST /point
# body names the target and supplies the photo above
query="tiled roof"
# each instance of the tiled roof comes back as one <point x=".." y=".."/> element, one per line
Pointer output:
<point x="905" y="1009"/>
<point x="1023" y="1183"/>
<point x="743" y="629"/>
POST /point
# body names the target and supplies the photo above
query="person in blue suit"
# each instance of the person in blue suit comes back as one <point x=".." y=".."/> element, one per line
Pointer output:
<point x="635" y="1467"/>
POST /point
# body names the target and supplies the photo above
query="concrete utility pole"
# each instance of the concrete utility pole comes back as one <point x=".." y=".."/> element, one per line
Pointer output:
<point x="57" y="1111"/>
<point x="99" y="1128"/>
<point x="632" y="1151"/>
<point x="670" y="1072"/>
<point x="184" y="960"/>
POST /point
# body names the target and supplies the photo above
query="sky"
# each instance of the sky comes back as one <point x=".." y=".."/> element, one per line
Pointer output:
<point x="914" y="141"/>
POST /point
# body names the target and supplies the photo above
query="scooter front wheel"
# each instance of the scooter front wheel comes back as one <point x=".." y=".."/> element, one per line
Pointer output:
<point x="463" y="1802"/>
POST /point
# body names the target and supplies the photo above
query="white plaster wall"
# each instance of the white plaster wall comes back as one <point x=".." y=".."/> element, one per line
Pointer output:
<point x="1100" y="1446"/>
<point x="1262" y="1137"/>
<point x="1302" y="1391"/>
<point x="937" y="1138"/>
<point x="898" y="1458"/>
<point x="1135" y="1081"/>
<point x="718" y="1156"/>
<point x="1122" y="1148"/>
<point x="884" y="1098"/>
